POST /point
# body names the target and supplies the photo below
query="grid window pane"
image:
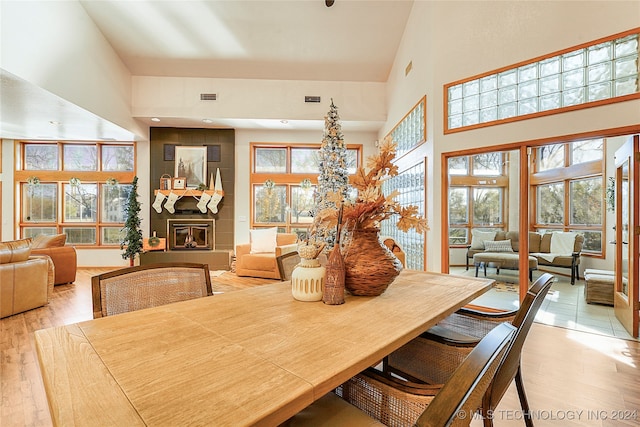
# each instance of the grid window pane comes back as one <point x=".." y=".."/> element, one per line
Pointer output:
<point x="80" y="235"/>
<point x="40" y="157"/>
<point x="487" y="206"/>
<point x="112" y="236"/>
<point x="40" y="203"/>
<point x="304" y="160"/>
<point x="273" y="160"/>
<point x="587" y="151"/>
<point x="550" y="157"/>
<point x="80" y="203"/>
<point x="488" y="164"/>
<point x="458" y="206"/>
<point x="302" y="204"/>
<point x="270" y="204"/>
<point x="352" y="161"/>
<point x="550" y="204"/>
<point x="80" y="157"/>
<point x="117" y="158"/>
<point x="592" y="241"/>
<point x="458" y="236"/>
<point x="36" y="231"/>
<point x="113" y="202"/>
<point x="585" y="201"/>
<point x="459" y="165"/>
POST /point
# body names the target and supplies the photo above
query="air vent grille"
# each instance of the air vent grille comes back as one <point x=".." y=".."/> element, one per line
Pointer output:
<point x="208" y="96"/>
<point x="311" y="99"/>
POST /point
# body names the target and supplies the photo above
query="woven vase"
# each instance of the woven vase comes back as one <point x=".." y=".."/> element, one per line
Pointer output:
<point x="370" y="266"/>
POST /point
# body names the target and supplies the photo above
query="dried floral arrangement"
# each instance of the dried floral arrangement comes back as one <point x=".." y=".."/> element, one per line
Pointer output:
<point x="371" y="205"/>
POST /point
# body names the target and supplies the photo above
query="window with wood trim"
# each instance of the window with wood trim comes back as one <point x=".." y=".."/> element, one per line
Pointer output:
<point x="283" y="181"/>
<point x="76" y="188"/>
<point x="478" y="190"/>
<point x="595" y="73"/>
<point x="568" y="190"/>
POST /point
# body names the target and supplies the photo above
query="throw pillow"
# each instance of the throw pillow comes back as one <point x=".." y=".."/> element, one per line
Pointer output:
<point x="263" y="240"/>
<point x="43" y="241"/>
<point x="498" y="246"/>
<point x="15" y="251"/>
<point x="478" y="238"/>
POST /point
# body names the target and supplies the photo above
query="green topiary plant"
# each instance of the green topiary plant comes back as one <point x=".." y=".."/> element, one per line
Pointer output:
<point x="132" y="241"/>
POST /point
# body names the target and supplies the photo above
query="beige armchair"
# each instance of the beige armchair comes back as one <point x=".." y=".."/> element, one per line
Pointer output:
<point x="26" y="282"/>
<point x="264" y="265"/>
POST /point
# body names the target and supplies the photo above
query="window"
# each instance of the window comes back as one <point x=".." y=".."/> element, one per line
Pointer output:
<point x="569" y="193"/>
<point x="477" y="195"/>
<point x="283" y="181"/>
<point x="602" y="71"/>
<point x="79" y="189"/>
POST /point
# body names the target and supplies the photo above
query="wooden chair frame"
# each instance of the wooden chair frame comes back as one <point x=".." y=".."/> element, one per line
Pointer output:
<point x="161" y="283"/>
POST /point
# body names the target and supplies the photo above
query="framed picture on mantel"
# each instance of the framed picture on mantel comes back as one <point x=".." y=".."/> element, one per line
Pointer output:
<point x="179" y="183"/>
<point x="191" y="163"/>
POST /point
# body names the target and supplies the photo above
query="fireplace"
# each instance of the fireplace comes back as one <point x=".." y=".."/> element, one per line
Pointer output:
<point x="191" y="234"/>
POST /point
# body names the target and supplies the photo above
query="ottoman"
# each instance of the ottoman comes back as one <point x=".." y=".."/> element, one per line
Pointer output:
<point x="599" y="286"/>
<point x="508" y="260"/>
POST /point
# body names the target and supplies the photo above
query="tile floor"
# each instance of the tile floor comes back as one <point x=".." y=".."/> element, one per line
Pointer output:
<point x="564" y="306"/>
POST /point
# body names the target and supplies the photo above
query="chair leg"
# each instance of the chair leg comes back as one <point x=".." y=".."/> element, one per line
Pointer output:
<point x="524" y="404"/>
<point x="477" y="267"/>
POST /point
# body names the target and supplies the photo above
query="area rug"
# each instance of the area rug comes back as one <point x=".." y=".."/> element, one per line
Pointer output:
<point x="505" y="287"/>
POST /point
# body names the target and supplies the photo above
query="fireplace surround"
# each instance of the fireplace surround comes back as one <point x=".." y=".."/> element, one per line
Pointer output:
<point x="191" y="234"/>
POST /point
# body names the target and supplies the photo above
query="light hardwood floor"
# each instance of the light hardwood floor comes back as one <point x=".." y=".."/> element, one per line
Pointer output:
<point x="572" y="378"/>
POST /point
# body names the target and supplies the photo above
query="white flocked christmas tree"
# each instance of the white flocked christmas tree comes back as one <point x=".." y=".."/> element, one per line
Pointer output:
<point x="334" y="175"/>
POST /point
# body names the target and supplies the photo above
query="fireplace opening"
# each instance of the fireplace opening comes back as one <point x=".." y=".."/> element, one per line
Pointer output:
<point x="191" y="234"/>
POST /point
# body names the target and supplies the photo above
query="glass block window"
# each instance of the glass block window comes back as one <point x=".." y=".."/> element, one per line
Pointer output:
<point x="410" y="184"/>
<point x="411" y="131"/>
<point x="604" y="70"/>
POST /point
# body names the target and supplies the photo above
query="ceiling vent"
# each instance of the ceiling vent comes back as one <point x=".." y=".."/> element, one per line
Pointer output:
<point x="208" y="96"/>
<point x="311" y="99"/>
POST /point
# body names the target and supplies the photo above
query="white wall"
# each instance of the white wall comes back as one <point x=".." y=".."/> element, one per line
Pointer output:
<point x="56" y="46"/>
<point x="448" y="41"/>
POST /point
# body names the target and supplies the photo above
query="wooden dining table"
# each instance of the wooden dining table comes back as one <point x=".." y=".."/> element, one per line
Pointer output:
<point x="250" y="357"/>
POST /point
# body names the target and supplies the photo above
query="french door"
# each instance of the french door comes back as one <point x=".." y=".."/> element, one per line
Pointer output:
<point x="625" y="299"/>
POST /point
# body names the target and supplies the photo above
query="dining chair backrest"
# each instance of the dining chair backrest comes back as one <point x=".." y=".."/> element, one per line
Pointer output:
<point x="460" y="397"/>
<point x="522" y="322"/>
<point x="145" y="286"/>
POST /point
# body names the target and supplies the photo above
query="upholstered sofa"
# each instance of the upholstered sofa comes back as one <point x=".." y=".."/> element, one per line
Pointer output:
<point x="64" y="257"/>
<point x="262" y="262"/>
<point x="26" y="281"/>
<point x="540" y="247"/>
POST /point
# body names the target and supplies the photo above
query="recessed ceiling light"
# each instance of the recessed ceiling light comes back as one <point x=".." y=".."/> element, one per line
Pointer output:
<point x="284" y="122"/>
<point x="155" y="119"/>
<point x="207" y="120"/>
<point x="54" y="123"/>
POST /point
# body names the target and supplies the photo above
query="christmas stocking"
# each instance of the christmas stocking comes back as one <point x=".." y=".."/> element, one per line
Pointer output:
<point x="213" y="203"/>
<point x="171" y="201"/>
<point x="202" y="204"/>
<point x="157" y="204"/>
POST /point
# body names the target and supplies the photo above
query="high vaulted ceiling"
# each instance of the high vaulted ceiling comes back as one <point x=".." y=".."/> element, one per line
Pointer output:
<point x="353" y="40"/>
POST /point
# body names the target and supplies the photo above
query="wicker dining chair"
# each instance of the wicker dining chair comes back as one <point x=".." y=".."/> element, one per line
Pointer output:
<point x="434" y="355"/>
<point x="144" y="286"/>
<point x="376" y="399"/>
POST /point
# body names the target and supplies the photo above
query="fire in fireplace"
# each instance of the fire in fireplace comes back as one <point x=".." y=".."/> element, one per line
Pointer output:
<point x="191" y="234"/>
